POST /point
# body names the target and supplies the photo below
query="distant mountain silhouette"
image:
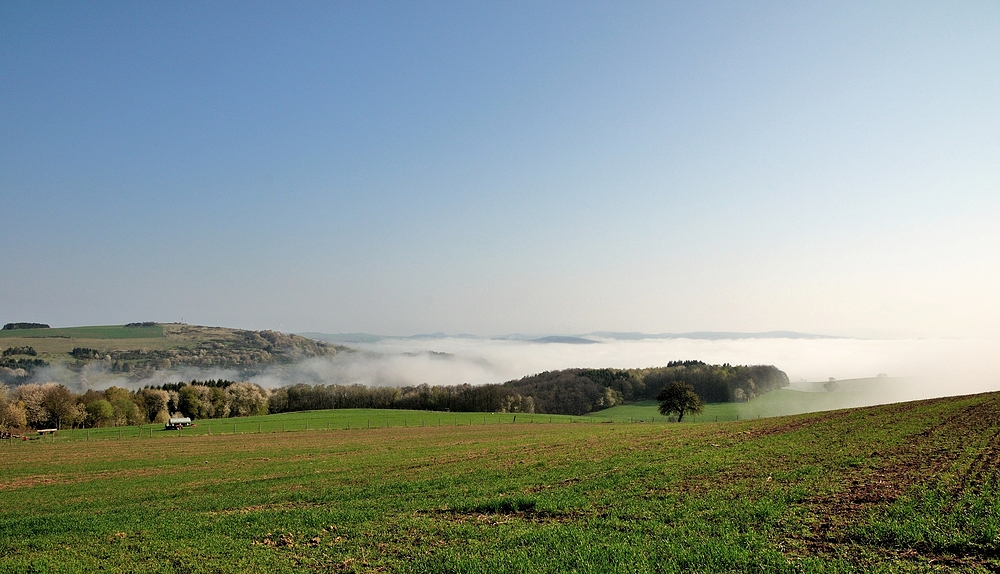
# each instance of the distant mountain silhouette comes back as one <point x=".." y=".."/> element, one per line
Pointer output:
<point x="633" y="336"/>
<point x="347" y="338"/>
<point x="566" y="340"/>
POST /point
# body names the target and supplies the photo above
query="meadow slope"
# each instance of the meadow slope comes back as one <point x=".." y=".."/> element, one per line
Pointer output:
<point x="902" y="487"/>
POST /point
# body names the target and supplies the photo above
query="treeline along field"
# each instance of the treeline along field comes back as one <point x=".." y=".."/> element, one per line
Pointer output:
<point x="909" y="487"/>
<point x="580" y="391"/>
<point x="570" y="392"/>
<point x="53" y="406"/>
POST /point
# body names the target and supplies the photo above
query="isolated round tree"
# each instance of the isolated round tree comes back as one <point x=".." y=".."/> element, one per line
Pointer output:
<point x="680" y="398"/>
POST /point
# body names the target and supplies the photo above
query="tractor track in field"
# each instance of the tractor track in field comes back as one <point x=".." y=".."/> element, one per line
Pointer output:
<point x="63" y="478"/>
<point x="985" y="468"/>
<point x="797" y="423"/>
<point x="923" y="457"/>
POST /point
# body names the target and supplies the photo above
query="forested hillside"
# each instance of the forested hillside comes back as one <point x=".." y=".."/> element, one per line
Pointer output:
<point x="138" y="350"/>
<point x="579" y="391"/>
<point x="713" y="383"/>
<point x="243" y="350"/>
<point x="569" y="391"/>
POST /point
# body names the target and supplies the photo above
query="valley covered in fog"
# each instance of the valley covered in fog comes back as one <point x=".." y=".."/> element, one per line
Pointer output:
<point x="933" y="367"/>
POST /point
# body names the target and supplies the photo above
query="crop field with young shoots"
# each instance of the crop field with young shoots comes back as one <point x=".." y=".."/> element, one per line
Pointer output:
<point x="775" y="403"/>
<point x="325" y="420"/>
<point x="908" y="487"/>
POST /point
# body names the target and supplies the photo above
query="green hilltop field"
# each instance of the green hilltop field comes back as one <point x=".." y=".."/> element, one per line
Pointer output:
<point x="906" y="487"/>
<point x="101" y="332"/>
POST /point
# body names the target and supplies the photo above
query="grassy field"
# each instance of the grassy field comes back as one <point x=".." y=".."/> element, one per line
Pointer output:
<point x="323" y="420"/>
<point x="53" y="344"/>
<point x="648" y="412"/>
<point x="96" y="332"/>
<point x="772" y="404"/>
<point x="896" y="488"/>
<point x="775" y="403"/>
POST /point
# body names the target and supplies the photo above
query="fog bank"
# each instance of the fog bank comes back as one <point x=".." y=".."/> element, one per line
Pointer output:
<point x="967" y="363"/>
<point x="933" y="367"/>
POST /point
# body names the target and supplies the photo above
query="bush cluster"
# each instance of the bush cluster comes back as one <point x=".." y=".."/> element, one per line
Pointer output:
<point x="27" y="365"/>
<point x="10" y="351"/>
<point x="13" y="326"/>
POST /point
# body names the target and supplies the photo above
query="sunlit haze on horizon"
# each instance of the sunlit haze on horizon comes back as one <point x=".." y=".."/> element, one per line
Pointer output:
<point x="511" y="168"/>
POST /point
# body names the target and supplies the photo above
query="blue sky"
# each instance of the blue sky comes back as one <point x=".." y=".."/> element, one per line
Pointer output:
<point x="494" y="168"/>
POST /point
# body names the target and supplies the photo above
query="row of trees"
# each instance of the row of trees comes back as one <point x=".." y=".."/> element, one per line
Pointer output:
<point x="570" y="391"/>
<point x="461" y="398"/>
<point x="51" y="405"/>
<point x="15" y="326"/>
<point x="216" y="399"/>
<point x="25" y="365"/>
<point x="11" y="351"/>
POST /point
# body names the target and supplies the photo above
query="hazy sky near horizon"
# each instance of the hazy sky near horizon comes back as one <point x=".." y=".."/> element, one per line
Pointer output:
<point x="490" y="168"/>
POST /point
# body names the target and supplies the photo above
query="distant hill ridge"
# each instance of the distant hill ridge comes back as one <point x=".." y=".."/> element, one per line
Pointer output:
<point x="586" y="338"/>
<point x="138" y="350"/>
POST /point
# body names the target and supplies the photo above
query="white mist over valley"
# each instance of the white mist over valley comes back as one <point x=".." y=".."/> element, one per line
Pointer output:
<point x="868" y="371"/>
<point x="953" y="366"/>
